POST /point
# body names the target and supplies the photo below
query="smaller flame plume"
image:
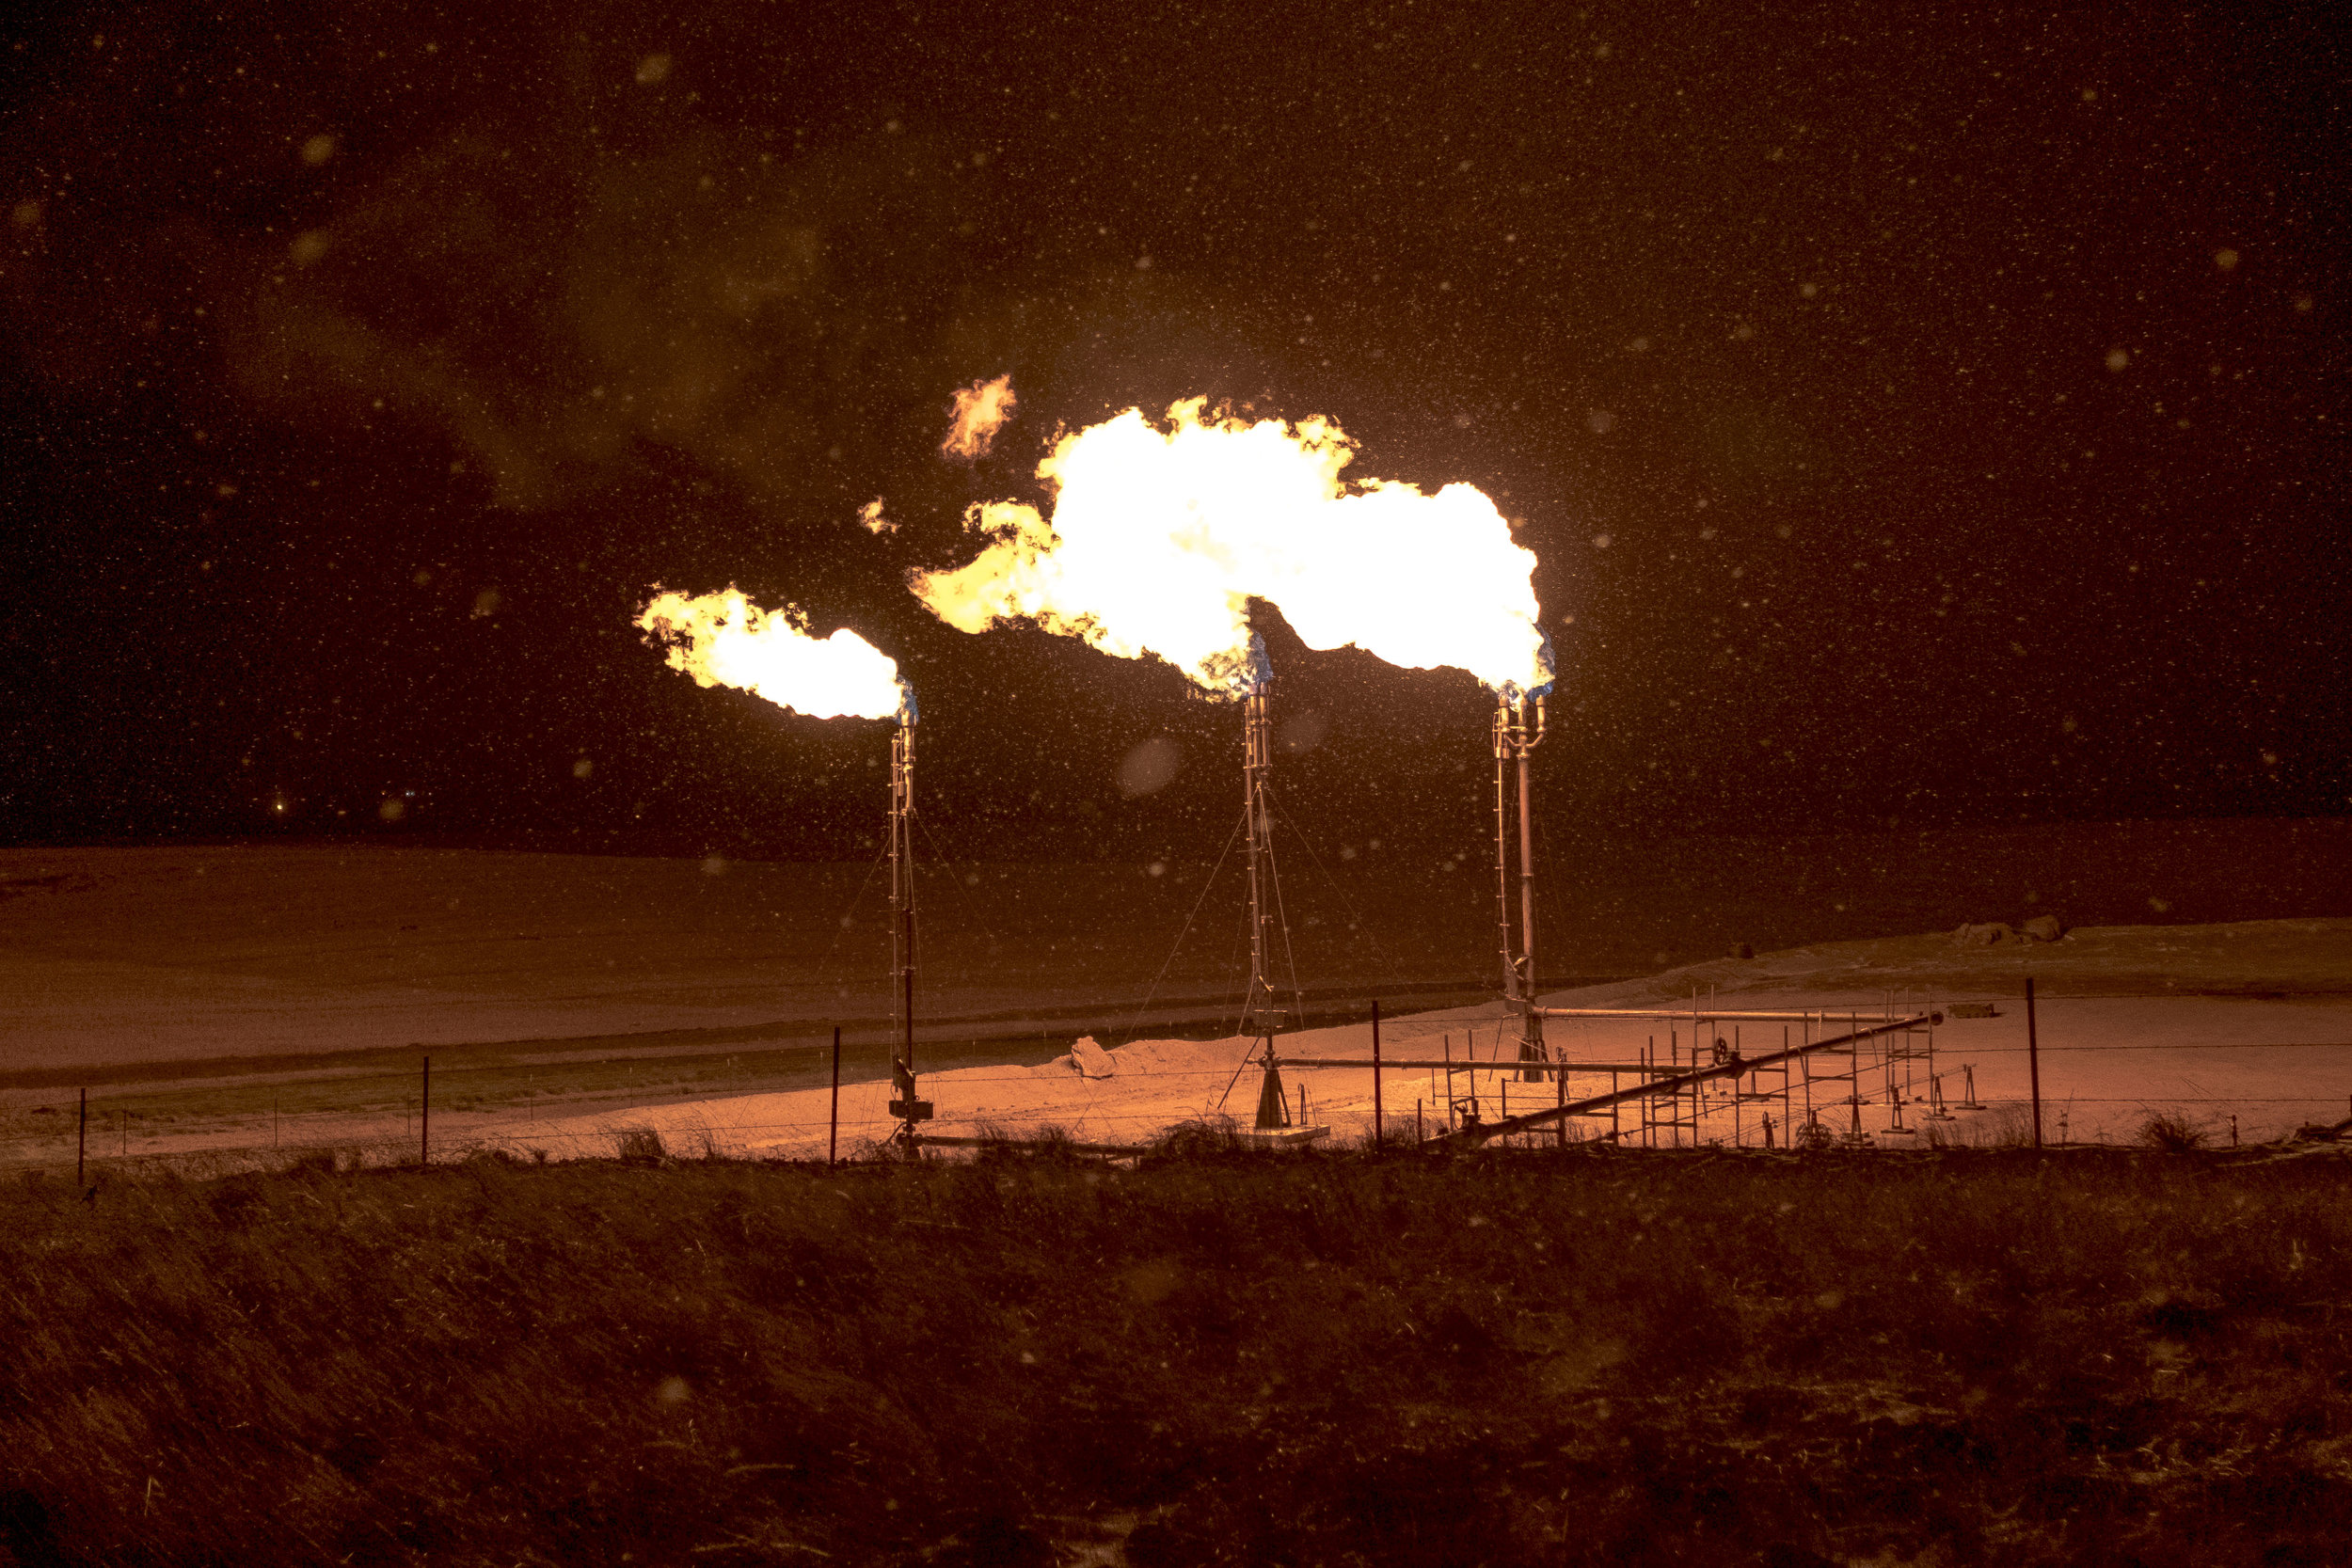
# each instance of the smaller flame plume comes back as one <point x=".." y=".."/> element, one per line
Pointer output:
<point x="724" y="640"/>
<point x="982" y="410"/>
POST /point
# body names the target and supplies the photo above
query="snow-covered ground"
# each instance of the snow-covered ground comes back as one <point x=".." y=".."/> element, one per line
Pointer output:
<point x="123" y="955"/>
<point x="2108" y="1064"/>
<point x="111" y="956"/>
<point x="114" y="957"/>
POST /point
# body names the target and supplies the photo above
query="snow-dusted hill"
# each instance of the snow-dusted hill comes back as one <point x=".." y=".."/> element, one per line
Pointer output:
<point x="117" y="955"/>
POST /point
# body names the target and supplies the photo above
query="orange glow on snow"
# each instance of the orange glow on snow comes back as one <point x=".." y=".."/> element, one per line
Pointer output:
<point x="1159" y="537"/>
<point x="982" y="410"/>
<point x="724" y="640"/>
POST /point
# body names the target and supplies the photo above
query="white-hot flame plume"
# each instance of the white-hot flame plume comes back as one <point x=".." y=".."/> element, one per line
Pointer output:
<point x="982" y="410"/>
<point x="724" y="640"/>
<point x="871" y="517"/>
<point x="1159" y="539"/>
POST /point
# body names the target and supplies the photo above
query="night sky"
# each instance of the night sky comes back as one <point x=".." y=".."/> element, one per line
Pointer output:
<point x="1923" y="416"/>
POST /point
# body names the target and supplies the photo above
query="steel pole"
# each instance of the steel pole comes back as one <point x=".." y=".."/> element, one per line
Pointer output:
<point x="1256" y="758"/>
<point x="1527" y="890"/>
<point x="1375" y="1076"/>
<point x="1261" y="1018"/>
<point x="425" y="1116"/>
<point x="2033" y="1063"/>
<point x="902" y="925"/>
<point x="833" y="1126"/>
<point x="1532" y="1018"/>
<point x="1503" y="846"/>
<point x="81" y="1140"/>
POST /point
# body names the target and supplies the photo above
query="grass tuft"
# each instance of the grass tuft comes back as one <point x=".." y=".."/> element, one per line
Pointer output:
<point x="639" y="1145"/>
<point x="2173" y="1134"/>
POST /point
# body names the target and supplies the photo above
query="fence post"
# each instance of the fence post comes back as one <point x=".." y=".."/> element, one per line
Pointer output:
<point x="833" y="1127"/>
<point x="81" y="1140"/>
<point x="425" y="1116"/>
<point x="1376" y="1134"/>
<point x="2033" y="1062"/>
<point x="1560" y="1096"/>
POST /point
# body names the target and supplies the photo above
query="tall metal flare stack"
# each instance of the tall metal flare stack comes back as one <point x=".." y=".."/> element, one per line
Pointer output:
<point x="1262" y="1015"/>
<point x="905" y="1106"/>
<point x="1514" y="739"/>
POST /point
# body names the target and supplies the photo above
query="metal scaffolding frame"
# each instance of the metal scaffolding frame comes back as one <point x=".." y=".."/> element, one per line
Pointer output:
<point x="1849" y="1044"/>
<point x="1707" y="1106"/>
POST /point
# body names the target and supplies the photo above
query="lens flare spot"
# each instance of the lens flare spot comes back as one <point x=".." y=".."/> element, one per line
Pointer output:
<point x="1151" y="766"/>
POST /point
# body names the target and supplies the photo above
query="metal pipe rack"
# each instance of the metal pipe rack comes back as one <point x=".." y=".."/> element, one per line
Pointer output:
<point x="1484" y="1132"/>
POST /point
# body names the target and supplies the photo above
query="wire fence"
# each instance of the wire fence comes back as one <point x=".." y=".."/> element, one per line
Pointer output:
<point x="1438" y="1075"/>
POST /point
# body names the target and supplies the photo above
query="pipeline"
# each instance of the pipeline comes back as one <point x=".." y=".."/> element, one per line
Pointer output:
<point x="1473" y="1136"/>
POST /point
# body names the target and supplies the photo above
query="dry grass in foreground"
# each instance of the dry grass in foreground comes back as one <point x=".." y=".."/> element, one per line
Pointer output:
<point x="1545" y="1357"/>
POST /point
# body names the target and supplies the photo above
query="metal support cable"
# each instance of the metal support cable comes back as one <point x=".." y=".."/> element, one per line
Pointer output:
<point x="1187" y="929"/>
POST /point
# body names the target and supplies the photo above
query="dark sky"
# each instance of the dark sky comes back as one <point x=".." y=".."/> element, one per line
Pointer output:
<point x="1924" y="414"/>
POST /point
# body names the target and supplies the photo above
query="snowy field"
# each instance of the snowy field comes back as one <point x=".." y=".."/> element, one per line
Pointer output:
<point x="2108" y="1064"/>
<point x="143" y="969"/>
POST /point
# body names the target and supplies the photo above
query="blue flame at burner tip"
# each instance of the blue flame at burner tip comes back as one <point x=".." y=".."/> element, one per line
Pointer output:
<point x="1261" y="667"/>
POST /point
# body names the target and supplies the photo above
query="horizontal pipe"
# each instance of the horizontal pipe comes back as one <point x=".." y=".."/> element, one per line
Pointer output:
<point x="937" y="1141"/>
<point x="1485" y="1131"/>
<point x="1483" y="1064"/>
<point x="1710" y="1015"/>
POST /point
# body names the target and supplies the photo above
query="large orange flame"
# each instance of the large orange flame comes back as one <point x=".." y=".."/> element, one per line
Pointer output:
<point x="724" y="640"/>
<point x="1159" y="538"/>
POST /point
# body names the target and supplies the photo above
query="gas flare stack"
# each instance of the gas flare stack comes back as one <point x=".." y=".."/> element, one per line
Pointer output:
<point x="1514" y="739"/>
<point x="904" y="1106"/>
<point x="1263" y="1017"/>
<point x="724" y="640"/>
